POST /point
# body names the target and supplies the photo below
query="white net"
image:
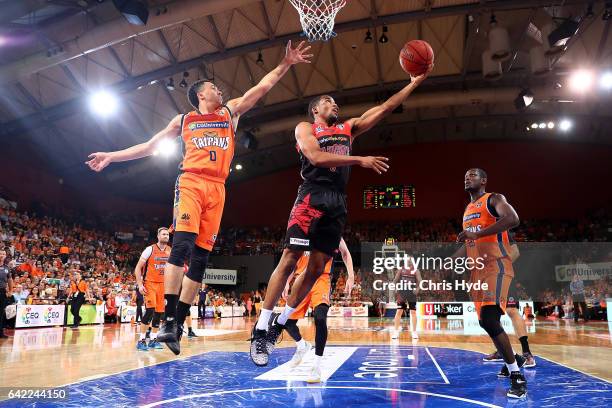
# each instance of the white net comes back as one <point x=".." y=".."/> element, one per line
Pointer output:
<point x="317" y="17"/>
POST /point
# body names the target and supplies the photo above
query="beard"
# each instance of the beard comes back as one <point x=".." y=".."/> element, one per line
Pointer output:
<point x="332" y="119"/>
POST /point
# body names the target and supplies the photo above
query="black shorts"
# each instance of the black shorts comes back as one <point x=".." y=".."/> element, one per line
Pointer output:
<point x="406" y="299"/>
<point x="316" y="220"/>
<point x="513" y="300"/>
<point x="407" y="305"/>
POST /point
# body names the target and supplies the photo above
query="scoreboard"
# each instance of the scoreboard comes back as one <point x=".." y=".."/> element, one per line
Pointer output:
<point x="394" y="196"/>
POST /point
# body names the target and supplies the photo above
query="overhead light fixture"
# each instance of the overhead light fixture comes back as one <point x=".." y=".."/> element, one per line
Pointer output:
<point x="170" y="84"/>
<point x="524" y="99"/>
<point x="551" y="125"/>
<point x="103" y="103"/>
<point x="260" y="60"/>
<point x="534" y="125"/>
<point x="153" y="82"/>
<point x="248" y="140"/>
<point x="368" y="37"/>
<point x="183" y="83"/>
<point x="589" y="12"/>
<point x="239" y="166"/>
<point x="581" y="80"/>
<point x="565" y="125"/>
<point x="542" y="125"/>
<point x="383" y="38"/>
<point x="135" y="12"/>
<point x="606" y="81"/>
<point x="561" y="35"/>
<point x="607" y="12"/>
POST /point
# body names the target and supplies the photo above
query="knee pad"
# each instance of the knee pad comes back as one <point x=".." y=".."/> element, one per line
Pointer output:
<point x="156" y="319"/>
<point x="320" y="314"/>
<point x="197" y="264"/>
<point x="148" y="315"/>
<point x="489" y="320"/>
<point x="182" y="247"/>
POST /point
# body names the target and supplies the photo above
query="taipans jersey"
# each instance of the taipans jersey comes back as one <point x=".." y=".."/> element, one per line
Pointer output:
<point x="477" y="216"/>
<point x="156" y="262"/>
<point x="302" y="264"/>
<point x="208" y="143"/>
<point x="409" y="274"/>
<point x="336" y="139"/>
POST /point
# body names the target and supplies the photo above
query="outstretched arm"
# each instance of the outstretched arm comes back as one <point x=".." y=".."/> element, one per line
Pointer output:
<point x="309" y="146"/>
<point x="348" y="262"/>
<point x="98" y="161"/>
<point x="508" y="218"/>
<point x="372" y="116"/>
<point x="292" y="56"/>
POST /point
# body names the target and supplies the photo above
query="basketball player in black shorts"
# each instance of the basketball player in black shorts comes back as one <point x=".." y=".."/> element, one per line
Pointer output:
<point x="317" y="219"/>
<point x="406" y="299"/>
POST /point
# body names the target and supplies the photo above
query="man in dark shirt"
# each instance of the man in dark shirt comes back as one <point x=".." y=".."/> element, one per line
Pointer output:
<point x="202" y="301"/>
<point x="6" y="284"/>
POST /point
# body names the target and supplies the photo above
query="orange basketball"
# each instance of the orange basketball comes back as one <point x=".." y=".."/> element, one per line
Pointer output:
<point x="416" y="57"/>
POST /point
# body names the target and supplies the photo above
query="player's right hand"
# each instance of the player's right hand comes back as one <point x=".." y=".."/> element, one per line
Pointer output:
<point x="142" y="289"/>
<point x="376" y="163"/>
<point x="98" y="161"/>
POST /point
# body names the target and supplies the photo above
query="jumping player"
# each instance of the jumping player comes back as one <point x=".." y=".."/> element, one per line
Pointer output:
<point x="318" y="300"/>
<point x="149" y="273"/>
<point x="208" y="141"/>
<point x="319" y="213"/>
<point x="486" y="222"/>
<point x="406" y="299"/>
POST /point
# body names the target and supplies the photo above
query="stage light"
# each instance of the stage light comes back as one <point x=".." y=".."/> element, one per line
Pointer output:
<point x="524" y="99"/>
<point x="606" y="80"/>
<point x="534" y="125"/>
<point x="565" y="125"/>
<point x="368" y="37"/>
<point x="551" y="125"/>
<point x="561" y="35"/>
<point x="170" y="84"/>
<point x="103" y="103"/>
<point x="581" y="80"/>
<point x="542" y="125"/>
<point x="165" y="148"/>
<point x="383" y="38"/>
<point x="260" y="60"/>
<point x="239" y="166"/>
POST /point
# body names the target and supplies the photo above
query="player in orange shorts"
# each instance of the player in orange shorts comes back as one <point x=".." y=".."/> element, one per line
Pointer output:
<point x="318" y="300"/>
<point x="207" y="135"/>
<point x="486" y="222"/>
<point x="149" y="273"/>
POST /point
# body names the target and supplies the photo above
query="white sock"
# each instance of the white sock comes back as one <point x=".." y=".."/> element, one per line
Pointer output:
<point x="301" y="344"/>
<point x="153" y="335"/>
<point x="317" y="361"/>
<point x="513" y="367"/>
<point x="287" y="311"/>
<point x="264" y="319"/>
<point x="142" y="336"/>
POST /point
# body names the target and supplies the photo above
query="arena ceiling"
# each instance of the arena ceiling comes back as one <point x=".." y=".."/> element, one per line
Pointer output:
<point x="54" y="53"/>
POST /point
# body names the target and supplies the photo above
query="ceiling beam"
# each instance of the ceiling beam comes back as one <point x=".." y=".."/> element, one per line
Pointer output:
<point x="219" y="41"/>
<point x="335" y="65"/>
<point x="266" y="17"/>
<point x="164" y="41"/>
<point x="602" y="41"/>
<point x="70" y="107"/>
<point x="473" y="28"/>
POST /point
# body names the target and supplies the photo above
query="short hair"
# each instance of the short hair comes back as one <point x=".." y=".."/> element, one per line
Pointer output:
<point x="192" y="94"/>
<point x="481" y="172"/>
<point x="314" y="102"/>
<point x="160" y="229"/>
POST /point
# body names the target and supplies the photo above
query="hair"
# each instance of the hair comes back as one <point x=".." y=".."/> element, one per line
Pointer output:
<point x="192" y="94"/>
<point x="481" y="172"/>
<point x="160" y="229"/>
<point x="313" y="102"/>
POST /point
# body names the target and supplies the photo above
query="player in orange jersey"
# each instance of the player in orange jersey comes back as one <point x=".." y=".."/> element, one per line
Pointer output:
<point x="318" y="300"/>
<point x="149" y="273"/>
<point x="486" y="222"/>
<point x="208" y="139"/>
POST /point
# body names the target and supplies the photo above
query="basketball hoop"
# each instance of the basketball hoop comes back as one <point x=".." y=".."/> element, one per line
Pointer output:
<point x="317" y="17"/>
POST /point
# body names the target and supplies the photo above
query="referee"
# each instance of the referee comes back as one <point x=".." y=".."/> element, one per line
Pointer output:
<point x="78" y="288"/>
<point x="6" y="282"/>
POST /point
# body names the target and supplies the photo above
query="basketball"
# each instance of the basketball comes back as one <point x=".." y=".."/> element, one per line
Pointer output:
<point x="416" y="57"/>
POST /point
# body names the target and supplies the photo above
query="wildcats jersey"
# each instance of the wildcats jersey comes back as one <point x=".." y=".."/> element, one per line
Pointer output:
<point x="332" y="139"/>
<point x="302" y="263"/>
<point x="156" y="262"/>
<point x="479" y="215"/>
<point x="208" y="143"/>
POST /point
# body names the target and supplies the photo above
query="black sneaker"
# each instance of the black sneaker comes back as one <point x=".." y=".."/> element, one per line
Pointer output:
<point x="518" y="389"/>
<point x="504" y="373"/>
<point x="493" y="357"/>
<point x="274" y="331"/>
<point x="259" y="350"/>
<point x="170" y="334"/>
<point x="191" y="334"/>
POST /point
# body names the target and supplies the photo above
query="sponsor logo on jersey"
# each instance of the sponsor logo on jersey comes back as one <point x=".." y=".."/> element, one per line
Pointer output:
<point x="471" y="216"/>
<point x="208" y="125"/>
<point x="298" y="241"/>
<point x="319" y="129"/>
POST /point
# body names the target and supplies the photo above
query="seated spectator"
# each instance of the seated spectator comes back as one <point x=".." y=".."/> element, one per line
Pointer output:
<point x="110" y="313"/>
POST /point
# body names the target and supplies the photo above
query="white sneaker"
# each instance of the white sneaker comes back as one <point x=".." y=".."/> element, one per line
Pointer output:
<point x="415" y="336"/>
<point x="315" y="375"/>
<point x="299" y="355"/>
<point x="395" y="334"/>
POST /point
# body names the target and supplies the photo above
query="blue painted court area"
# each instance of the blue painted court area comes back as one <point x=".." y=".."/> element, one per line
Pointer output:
<point x="372" y="376"/>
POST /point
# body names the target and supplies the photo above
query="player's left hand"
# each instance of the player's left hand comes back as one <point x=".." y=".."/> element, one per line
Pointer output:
<point x="348" y="287"/>
<point x="297" y="54"/>
<point x="420" y="78"/>
<point x="465" y="235"/>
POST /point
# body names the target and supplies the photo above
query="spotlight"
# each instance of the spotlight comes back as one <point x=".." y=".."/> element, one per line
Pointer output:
<point x="183" y="83"/>
<point x="606" y="81"/>
<point x="103" y="103"/>
<point x="542" y="125"/>
<point x="565" y="125"/>
<point x="589" y="12"/>
<point x="260" y="60"/>
<point x="166" y="147"/>
<point x="581" y="80"/>
<point x="551" y="125"/>
<point x="527" y="128"/>
<point x="170" y="84"/>
<point x="383" y="38"/>
<point x="534" y="125"/>
<point x="239" y="166"/>
<point x="153" y="82"/>
<point x="368" y="38"/>
<point x="561" y="35"/>
<point x="524" y="99"/>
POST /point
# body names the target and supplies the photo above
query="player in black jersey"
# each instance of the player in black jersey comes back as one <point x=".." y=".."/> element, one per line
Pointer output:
<point x="406" y="298"/>
<point x="319" y="213"/>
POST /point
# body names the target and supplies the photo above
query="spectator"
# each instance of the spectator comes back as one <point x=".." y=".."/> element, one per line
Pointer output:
<point x="6" y="286"/>
<point x="577" y="289"/>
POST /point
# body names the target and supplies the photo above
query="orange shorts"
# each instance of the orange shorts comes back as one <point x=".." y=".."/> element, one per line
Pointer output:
<point x="198" y="207"/>
<point x="318" y="294"/>
<point x="154" y="297"/>
<point x="497" y="274"/>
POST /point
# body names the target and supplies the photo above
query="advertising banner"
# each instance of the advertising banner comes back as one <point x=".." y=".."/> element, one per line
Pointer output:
<point x="39" y="315"/>
<point x="220" y="277"/>
<point x="90" y="314"/>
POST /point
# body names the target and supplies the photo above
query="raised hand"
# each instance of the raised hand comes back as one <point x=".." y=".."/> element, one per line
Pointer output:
<point x="375" y="163"/>
<point x="98" y="161"/>
<point x="297" y="54"/>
